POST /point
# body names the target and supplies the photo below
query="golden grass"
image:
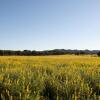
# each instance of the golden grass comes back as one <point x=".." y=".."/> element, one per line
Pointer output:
<point x="64" y="77"/>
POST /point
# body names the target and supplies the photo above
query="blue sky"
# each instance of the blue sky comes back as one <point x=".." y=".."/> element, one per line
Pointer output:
<point x="49" y="24"/>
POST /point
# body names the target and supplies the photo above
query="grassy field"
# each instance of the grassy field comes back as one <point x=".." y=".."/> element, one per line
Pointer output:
<point x="67" y="77"/>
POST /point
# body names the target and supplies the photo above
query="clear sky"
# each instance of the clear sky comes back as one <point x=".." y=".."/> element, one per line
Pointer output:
<point x="49" y="24"/>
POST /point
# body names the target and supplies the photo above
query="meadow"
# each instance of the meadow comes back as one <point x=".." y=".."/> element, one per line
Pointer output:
<point x="63" y="77"/>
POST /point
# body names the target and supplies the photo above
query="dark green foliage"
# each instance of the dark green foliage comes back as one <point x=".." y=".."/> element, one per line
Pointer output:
<point x="98" y="54"/>
<point x="47" y="52"/>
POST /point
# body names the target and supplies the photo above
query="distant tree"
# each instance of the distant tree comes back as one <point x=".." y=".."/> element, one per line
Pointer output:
<point x="82" y="52"/>
<point x="26" y="52"/>
<point x="77" y="53"/>
<point x="18" y="52"/>
<point x="1" y="52"/>
<point x="33" y="53"/>
<point x="98" y="54"/>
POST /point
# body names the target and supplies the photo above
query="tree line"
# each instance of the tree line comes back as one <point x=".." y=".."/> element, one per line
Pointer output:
<point x="47" y="52"/>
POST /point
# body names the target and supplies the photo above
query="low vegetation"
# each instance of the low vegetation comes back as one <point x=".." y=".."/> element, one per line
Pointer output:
<point x="49" y="77"/>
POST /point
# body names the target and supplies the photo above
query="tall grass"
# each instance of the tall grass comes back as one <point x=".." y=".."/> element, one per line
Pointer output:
<point x="50" y="78"/>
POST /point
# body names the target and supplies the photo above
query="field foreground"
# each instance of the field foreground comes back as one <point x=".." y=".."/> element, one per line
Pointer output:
<point x="65" y="77"/>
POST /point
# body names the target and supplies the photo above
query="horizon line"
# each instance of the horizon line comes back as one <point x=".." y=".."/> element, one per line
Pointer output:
<point x="49" y="49"/>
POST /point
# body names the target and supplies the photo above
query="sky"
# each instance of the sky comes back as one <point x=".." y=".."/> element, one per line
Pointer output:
<point x="49" y="24"/>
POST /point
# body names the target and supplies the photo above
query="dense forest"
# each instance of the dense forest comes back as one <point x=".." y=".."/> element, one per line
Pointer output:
<point x="47" y="52"/>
